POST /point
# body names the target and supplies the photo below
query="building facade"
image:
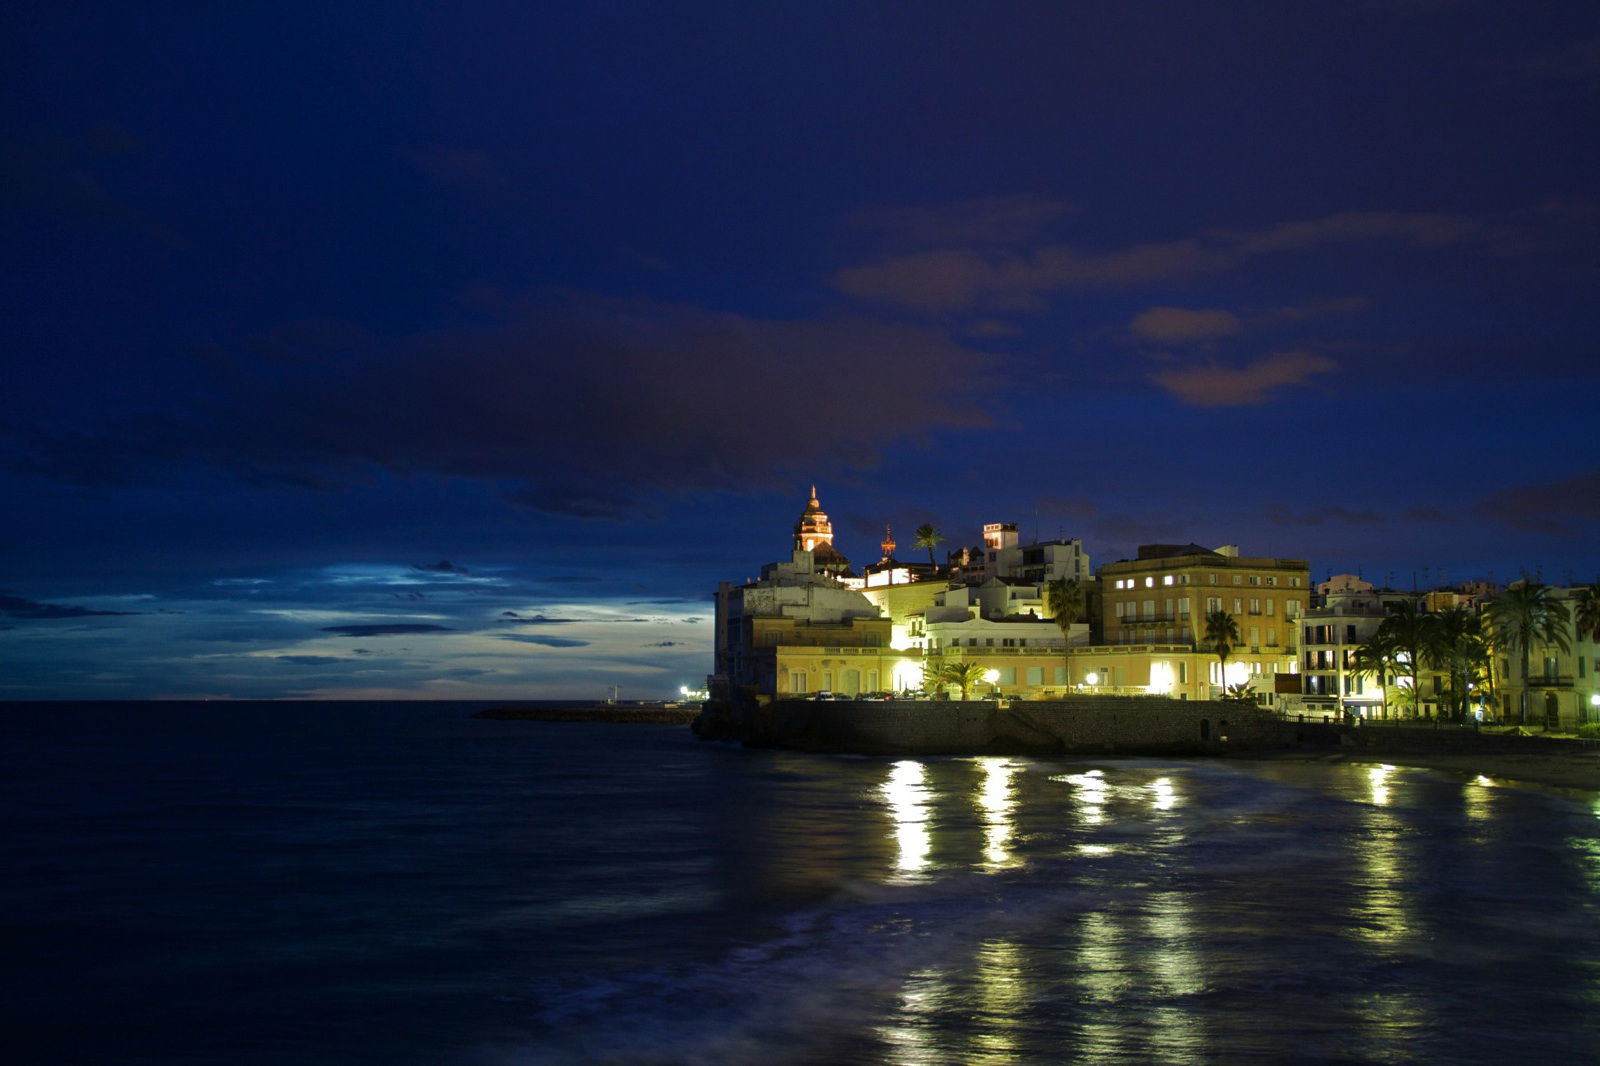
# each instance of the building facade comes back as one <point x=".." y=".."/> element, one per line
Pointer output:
<point x="1163" y="596"/>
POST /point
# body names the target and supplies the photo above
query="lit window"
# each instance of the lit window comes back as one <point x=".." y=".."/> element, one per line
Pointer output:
<point x="1149" y="582"/>
<point x="1167" y="580"/>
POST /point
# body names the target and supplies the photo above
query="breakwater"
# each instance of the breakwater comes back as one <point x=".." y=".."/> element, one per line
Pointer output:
<point x="1100" y="725"/>
<point x="598" y="712"/>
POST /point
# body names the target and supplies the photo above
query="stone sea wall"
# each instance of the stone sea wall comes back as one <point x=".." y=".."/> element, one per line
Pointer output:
<point x="1107" y="725"/>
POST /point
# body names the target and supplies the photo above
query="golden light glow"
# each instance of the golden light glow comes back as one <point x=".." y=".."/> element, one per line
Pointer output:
<point x="907" y="675"/>
<point x="1377" y="781"/>
<point x="907" y="797"/>
<point x="1161" y="679"/>
<point x="1003" y="999"/>
<point x="1166" y="795"/>
<point x="995" y="797"/>
<point x="1090" y="791"/>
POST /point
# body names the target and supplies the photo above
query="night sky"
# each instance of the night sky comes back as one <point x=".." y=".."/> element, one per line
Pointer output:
<point x="459" y="350"/>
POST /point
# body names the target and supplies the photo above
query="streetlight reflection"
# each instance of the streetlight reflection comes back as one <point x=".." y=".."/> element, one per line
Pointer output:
<point x="997" y="798"/>
<point x="907" y="797"/>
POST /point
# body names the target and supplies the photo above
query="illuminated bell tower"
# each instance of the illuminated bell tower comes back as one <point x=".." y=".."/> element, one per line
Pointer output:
<point x="887" y="544"/>
<point x="813" y="528"/>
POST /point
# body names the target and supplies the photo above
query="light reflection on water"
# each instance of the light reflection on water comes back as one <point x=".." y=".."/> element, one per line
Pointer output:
<point x="995" y="798"/>
<point x="1033" y="911"/>
<point x="907" y="799"/>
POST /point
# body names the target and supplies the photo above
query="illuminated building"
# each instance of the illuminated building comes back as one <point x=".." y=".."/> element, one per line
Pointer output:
<point x="1162" y="598"/>
<point x="800" y="629"/>
<point x="1563" y="691"/>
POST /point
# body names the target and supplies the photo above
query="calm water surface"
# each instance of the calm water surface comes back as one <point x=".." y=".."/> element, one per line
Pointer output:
<point x="394" y="883"/>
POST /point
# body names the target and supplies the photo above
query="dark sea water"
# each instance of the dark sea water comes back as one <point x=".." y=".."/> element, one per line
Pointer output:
<point x="400" y="883"/>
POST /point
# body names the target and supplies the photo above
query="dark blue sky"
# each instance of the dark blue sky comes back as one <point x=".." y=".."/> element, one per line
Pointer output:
<point x="305" y="300"/>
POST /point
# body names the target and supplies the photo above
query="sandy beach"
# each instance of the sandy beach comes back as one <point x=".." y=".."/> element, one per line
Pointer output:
<point x="1577" y="770"/>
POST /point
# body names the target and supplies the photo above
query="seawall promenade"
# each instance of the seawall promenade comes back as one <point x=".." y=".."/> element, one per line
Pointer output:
<point x="1137" y="726"/>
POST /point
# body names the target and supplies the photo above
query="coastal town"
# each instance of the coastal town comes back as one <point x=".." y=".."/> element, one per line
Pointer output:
<point x="1036" y="621"/>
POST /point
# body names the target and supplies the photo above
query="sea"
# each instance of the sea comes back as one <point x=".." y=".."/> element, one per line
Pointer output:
<point x="396" y="883"/>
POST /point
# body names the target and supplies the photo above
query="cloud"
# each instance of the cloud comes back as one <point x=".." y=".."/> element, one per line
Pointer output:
<point x="536" y="620"/>
<point x="14" y="606"/>
<point x="1170" y="325"/>
<point x="1565" y="506"/>
<point x="1213" y="385"/>
<point x="310" y="660"/>
<point x="548" y="642"/>
<point x="385" y="629"/>
<point x="957" y="278"/>
<point x="665" y="644"/>
<point x="571" y="392"/>
<point x="443" y="566"/>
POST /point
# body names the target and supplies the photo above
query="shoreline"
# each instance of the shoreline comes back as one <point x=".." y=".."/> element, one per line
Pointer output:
<point x="1573" y="771"/>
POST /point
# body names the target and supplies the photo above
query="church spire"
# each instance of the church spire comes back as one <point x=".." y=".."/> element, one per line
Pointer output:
<point x="813" y="528"/>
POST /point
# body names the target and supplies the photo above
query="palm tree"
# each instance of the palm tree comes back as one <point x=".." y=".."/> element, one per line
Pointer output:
<point x="1064" y="598"/>
<point x="959" y="672"/>
<point x="929" y="538"/>
<point x="1377" y="657"/>
<point x="1410" y="631"/>
<point x="1221" y="636"/>
<point x="1455" y="645"/>
<point x="1519" y="617"/>
<point x="1586" y="613"/>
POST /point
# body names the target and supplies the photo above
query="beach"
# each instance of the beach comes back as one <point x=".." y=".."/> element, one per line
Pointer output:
<point x="1575" y="770"/>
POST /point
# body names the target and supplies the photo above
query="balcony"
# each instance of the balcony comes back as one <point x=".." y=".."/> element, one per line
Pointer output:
<point x="1550" y="681"/>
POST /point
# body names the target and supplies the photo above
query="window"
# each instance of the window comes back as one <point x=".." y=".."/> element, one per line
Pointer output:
<point x="1183" y="673"/>
<point x="1167" y="580"/>
<point x="1255" y="579"/>
<point x="1183" y="579"/>
<point x="1255" y="605"/>
<point x="1120" y="606"/>
<point x="1149" y="582"/>
<point x="1271" y="605"/>
<point x="1350" y="633"/>
<point x="1183" y="607"/>
<point x="1255" y="637"/>
<point x="1295" y="582"/>
<point x="1213" y="604"/>
<point x="1272" y="636"/>
<point x="1150" y="609"/>
<point x="1271" y="580"/>
<point x="1035" y="675"/>
<point x="1238" y="606"/>
<point x="1238" y="579"/>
